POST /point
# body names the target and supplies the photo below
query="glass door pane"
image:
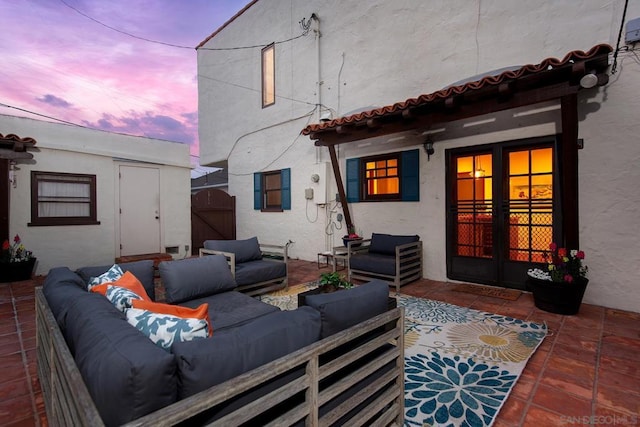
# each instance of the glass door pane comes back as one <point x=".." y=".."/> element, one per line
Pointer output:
<point x="530" y="205"/>
<point x="473" y="205"/>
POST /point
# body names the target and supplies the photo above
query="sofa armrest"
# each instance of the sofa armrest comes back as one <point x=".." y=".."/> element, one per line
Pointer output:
<point x="230" y="256"/>
<point x="276" y="252"/>
<point x="355" y="246"/>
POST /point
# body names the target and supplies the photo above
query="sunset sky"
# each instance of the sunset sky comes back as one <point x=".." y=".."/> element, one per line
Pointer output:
<point x="60" y="59"/>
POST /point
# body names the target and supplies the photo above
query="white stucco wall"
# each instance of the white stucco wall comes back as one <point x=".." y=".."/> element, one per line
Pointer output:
<point x="377" y="53"/>
<point x="63" y="148"/>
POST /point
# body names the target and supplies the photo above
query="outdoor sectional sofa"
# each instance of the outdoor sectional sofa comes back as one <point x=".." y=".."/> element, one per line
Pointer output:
<point x="393" y="258"/>
<point x="336" y="361"/>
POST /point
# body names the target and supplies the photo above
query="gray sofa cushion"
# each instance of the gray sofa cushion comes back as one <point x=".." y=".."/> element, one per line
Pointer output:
<point x="342" y="309"/>
<point x="385" y="244"/>
<point x="63" y="288"/>
<point x="251" y="272"/>
<point x="245" y="250"/>
<point x="231" y="309"/>
<point x="127" y="375"/>
<point x="374" y="263"/>
<point x="190" y="278"/>
<point x="143" y="270"/>
<point x="229" y="353"/>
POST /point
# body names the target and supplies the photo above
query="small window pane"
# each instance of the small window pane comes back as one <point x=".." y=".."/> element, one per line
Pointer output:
<point x="63" y="199"/>
<point x="268" y="76"/>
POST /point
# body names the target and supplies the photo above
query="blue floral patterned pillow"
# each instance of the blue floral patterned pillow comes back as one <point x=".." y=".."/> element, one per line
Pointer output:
<point x="111" y="275"/>
<point x="121" y="297"/>
<point x="174" y="325"/>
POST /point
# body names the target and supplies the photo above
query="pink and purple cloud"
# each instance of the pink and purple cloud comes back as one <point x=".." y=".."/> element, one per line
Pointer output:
<point x="61" y="59"/>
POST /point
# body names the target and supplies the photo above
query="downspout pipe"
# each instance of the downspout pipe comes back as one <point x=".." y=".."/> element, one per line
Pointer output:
<point x="319" y="80"/>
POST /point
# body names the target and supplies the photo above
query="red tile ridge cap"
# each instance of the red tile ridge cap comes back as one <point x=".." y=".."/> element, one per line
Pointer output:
<point x="16" y="138"/>
<point x="494" y="80"/>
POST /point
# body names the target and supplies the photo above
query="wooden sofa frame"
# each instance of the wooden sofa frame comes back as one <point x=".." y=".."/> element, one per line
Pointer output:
<point x="273" y="253"/>
<point x="408" y="258"/>
<point x="68" y="402"/>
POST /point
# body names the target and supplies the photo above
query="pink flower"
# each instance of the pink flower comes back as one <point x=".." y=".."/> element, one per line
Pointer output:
<point x="553" y="246"/>
<point x="580" y="255"/>
<point x="16" y="239"/>
<point x="562" y="252"/>
<point x="568" y="278"/>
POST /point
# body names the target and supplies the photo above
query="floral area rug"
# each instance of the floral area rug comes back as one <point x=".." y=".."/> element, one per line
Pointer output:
<point x="287" y="299"/>
<point x="460" y="363"/>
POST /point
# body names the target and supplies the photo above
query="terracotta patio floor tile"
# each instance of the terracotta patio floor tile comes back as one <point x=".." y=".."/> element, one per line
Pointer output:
<point x="9" y="344"/>
<point x="13" y="389"/>
<point x="569" y="366"/>
<point x="16" y="409"/>
<point x="623" y="400"/>
<point x="7" y="326"/>
<point x="539" y="417"/>
<point x="523" y="388"/>
<point x="620" y="347"/>
<point x="12" y="367"/>
<point x="621" y="380"/>
<point x="26" y="422"/>
<point x="609" y="363"/>
<point x="587" y="354"/>
<point x="577" y="385"/>
<point x="511" y="413"/>
<point x="561" y="402"/>
<point x="607" y="416"/>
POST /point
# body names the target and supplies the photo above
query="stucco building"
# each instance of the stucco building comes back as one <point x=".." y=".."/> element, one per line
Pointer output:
<point x="488" y="128"/>
<point x="87" y="197"/>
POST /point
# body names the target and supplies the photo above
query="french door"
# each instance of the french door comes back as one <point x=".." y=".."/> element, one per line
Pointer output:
<point x="501" y="210"/>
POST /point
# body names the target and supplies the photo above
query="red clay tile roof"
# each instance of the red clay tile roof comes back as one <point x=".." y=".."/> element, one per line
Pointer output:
<point x="12" y="138"/>
<point x="547" y="64"/>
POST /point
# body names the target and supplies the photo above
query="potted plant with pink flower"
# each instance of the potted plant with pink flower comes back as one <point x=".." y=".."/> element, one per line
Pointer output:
<point x="559" y="288"/>
<point x="16" y="262"/>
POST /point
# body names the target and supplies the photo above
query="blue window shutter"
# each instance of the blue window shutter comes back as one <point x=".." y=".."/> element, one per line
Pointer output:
<point x="257" y="190"/>
<point x="353" y="180"/>
<point x="285" y="179"/>
<point x="410" y="179"/>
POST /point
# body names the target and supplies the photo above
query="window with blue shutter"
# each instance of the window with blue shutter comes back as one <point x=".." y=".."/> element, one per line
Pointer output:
<point x="272" y="190"/>
<point x="384" y="177"/>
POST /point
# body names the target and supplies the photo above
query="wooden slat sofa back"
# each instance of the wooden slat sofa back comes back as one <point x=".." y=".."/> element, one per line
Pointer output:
<point x="371" y="352"/>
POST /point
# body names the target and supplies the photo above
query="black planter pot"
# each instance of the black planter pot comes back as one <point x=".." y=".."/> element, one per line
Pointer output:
<point x="557" y="297"/>
<point x="346" y="240"/>
<point x="16" y="271"/>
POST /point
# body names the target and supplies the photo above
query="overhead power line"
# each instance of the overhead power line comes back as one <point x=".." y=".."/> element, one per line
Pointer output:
<point x="304" y="33"/>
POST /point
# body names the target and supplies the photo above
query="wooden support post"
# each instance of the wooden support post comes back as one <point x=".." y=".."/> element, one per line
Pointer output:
<point x="569" y="172"/>
<point x="341" y="192"/>
<point x="4" y="200"/>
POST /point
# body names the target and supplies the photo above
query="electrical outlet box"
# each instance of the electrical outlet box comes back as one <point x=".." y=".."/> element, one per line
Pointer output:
<point x="186" y="249"/>
<point x="308" y="193"/>
<point x="339" y="217"/>
<point x="632" y="34"/>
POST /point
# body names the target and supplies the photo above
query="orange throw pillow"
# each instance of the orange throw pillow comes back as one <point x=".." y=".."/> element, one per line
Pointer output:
<point x="201" y="312"/>
<point x="127" y="281"/>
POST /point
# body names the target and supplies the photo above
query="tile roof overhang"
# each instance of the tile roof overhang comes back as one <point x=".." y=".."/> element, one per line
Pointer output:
<point x="13" y="147"/>
<point x="531" y="84"/>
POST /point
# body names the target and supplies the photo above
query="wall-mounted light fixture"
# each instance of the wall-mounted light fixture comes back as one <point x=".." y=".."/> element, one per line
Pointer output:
<point x="589" y="80"/>
<point x="428" y="147"/>
<point x="325" y="116"/>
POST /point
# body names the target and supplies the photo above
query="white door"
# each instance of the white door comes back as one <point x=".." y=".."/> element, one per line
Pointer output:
<point x="139" y="210"/>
